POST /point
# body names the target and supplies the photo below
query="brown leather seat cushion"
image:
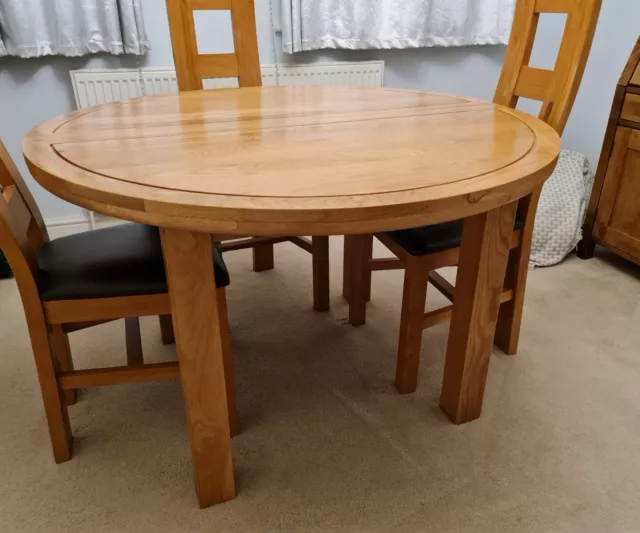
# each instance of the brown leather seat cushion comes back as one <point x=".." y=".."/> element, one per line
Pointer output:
<point x="124" y="260"/>
<point x="431" y="239"/>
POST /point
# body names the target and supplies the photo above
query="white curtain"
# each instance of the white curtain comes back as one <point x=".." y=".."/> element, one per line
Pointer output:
<point x="33" y="28"/>
<point x="364" y="24"/>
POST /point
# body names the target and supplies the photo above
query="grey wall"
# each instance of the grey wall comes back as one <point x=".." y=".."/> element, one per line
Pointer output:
<point x="34" y="90"/>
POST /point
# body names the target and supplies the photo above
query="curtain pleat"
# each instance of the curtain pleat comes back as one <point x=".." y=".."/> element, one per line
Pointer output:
<point x="381" y="24"/>
<point x="34" y="28"/>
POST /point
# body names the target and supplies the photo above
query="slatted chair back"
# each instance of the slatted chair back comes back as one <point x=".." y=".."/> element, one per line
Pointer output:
<point x="556" y="88"/>
<point x="192" y="67"/>
<point x="22" y="229"/>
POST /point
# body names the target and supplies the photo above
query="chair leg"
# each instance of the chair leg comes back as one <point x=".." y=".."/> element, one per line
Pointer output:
<point x="134" y="341"/>
<point x="52" y="397"/>
<point x="416" y="278"/>
<point x="359" y="277"/>
<point x="510" y="316"/>
<point x="320" y="254"/>
<point x="346" y="268"/>
<point x="263" y="258"/>
<point x="507" y="333"/>
<point x="368" y="254"/>
<point x="228" y="365"/>
<point x="166" y="329"/>
<point x="62" y="356"/>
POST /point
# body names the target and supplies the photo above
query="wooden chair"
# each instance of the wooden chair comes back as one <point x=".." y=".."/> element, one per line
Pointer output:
<point x="83" y="280"/>
<point x="244" y="63"/>
<point x="421" y="251"/>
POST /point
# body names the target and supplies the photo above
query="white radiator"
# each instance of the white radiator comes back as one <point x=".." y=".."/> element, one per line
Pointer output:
<point x="100" y="86"/>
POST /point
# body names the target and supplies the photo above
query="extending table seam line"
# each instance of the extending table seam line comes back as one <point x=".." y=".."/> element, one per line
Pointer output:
<point x="290" y="197"/>
<point x="448" y="112"/>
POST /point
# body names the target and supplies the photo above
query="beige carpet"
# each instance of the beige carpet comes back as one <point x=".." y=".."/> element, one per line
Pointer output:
<point x="327" y="444"/>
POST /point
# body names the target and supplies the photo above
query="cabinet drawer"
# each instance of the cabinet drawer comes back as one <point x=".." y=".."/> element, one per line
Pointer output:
<point x="631" y="108"/>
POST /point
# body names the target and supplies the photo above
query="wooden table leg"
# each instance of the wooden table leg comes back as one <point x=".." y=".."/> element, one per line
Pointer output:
<point x="481" y="271"/>
<point x="347" y="265"/>
<point x="190" y="275"/>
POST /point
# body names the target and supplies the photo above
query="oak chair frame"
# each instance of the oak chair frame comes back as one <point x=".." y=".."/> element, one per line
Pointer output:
<point x="22" y="233"/>
<point x="244" y="63"/>
<point x="557" y="90"/>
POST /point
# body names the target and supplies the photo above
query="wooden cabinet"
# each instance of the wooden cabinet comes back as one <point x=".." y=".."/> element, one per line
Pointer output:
<point x="618" y="219"/>
<point x="613" y="216"/>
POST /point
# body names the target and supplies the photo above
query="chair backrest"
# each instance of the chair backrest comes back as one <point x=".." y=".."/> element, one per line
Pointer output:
<point x="556" y="88"/>
<point x="22" y="229"/>
<point x="192" y="67"/>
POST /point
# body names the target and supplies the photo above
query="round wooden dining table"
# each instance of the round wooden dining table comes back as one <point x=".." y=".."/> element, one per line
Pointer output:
<point x="280" y="161"/>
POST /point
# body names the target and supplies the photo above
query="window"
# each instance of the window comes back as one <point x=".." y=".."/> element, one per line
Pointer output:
<point x="34" y="28"/>
<point x="362" y="24"/>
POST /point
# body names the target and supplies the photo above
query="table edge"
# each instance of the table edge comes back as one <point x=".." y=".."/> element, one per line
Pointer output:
<point x="310" y="216"/>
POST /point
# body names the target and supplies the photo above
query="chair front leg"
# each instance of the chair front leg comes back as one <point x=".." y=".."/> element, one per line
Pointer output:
<point x="52" y="396"/>
<point x="416" y="279"/>
<point x="166" y="329"/>
<point x="359" y="247"/>
<point x="347" y="267"/>
<point x="230" y="384"/>
<point x="134" y="341"/>
<point x="507" y="333"/>
<point x="320" y="255"/>
<point x="63" y="360"/>
<point x="263" y="258"/>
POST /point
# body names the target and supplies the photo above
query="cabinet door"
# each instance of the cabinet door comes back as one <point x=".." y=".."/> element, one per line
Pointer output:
<point x="618" y="220"/>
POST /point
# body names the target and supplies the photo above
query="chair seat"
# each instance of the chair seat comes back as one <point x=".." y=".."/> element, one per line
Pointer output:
<point x="431" y="239"/>
<point x="124" y="260"/>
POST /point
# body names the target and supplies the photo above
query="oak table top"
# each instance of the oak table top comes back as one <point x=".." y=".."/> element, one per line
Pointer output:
<point x="285" y="161"/>
<point x="293" y="160"/>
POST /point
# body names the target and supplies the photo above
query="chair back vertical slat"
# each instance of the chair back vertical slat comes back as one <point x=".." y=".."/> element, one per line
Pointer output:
<point x="245" y="40"/>
<point x="557" y="88"/>
<point x="191" y="66"/>
<point x="518" y="54"/>
<point x="22" y="230"/>
<point x="10" y="175"/>
<point x="184" y="44"/>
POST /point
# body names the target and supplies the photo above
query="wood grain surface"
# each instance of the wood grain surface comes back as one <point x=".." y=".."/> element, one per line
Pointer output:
<point x="483" y="259"/>
<point x="201" y="356"/>
<point x="293" y="160"/>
